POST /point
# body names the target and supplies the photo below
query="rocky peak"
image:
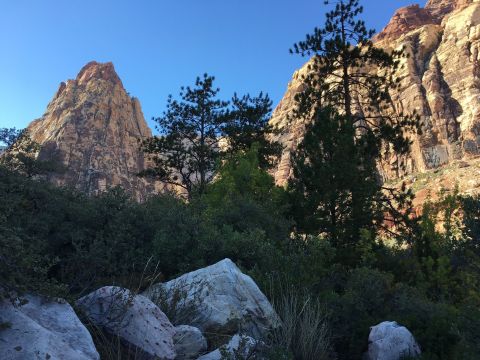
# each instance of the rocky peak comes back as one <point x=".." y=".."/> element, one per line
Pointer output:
<point x="95" y="71"/>
<point x="404" y="20"/>
<point x="94" y="127"/>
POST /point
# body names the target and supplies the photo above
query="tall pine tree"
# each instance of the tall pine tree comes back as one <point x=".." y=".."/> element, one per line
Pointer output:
<point x="186" y="150"/>
<point x="353" y="124"/>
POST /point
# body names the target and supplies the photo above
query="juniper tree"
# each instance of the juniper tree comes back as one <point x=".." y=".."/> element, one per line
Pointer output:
<point x="349" y="74"/>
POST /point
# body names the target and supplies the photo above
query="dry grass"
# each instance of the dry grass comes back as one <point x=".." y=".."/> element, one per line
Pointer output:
<point x="304" y="332"/>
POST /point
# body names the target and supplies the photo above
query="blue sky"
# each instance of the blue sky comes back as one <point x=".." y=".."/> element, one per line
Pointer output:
<point x="156" y="46"/>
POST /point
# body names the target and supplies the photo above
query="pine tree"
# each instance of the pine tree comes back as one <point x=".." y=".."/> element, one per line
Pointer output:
<point x="8" y="136"/>
<point x="354" y="124"/>
<point x="349" y="73"/>
<point x="334" y="191"/>
<point x="188" y="148"/>
<point x="21" y="154"/>
<point x="248" y="127"/>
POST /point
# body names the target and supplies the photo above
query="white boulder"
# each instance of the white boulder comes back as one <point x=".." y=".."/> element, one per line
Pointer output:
<point x="189" y="342"/>
<point x="239" y="346"/>
<point x="134" y="318"/>
<point x="218" y="299"/>
<point x="390" y="341"/>
<point x="43" y="329"/>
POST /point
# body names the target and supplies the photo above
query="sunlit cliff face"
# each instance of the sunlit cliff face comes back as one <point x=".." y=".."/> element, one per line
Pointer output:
<point x="440" y="82"/>
<point x="93" y="127"/>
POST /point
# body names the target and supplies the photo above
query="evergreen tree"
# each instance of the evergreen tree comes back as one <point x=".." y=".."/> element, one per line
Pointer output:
<point x="334" y="190"/>
<point x="188" y="148"/>
<point x="21" y="154"/>
<point x="8" y="136"/>
<point x="336" y="182"/>
<point x="349" y="73"/>
<point x="248" y="126"/>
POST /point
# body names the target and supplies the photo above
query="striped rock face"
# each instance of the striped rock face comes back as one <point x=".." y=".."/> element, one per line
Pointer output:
<point x="440" y="81"/>
<point x="93" y="127"/>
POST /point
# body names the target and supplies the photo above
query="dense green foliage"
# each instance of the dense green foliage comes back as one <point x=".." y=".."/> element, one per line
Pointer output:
<point x="57" y="241"/>
<point x="352" y="124"/>
<point x="346" y="71"/>
<point x="334" y="188"/>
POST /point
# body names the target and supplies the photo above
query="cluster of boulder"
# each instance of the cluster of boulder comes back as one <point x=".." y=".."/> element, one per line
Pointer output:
<point x="213" y="313"/>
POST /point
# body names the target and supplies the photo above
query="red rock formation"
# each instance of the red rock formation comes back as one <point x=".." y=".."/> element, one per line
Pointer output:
<point x="404" y="20"/>
<point x="94" y="127"/>
<point x="440" y="8"/>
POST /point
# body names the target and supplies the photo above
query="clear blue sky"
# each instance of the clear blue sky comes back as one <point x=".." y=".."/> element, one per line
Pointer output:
<point x="155" y="45"/>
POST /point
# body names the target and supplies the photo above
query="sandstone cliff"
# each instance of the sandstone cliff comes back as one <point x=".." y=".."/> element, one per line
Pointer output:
<point x="93" y="127"/>
<point x="440" y="81"/>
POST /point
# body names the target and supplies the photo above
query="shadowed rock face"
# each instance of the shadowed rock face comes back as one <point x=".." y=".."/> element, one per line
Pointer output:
<point x="93" y="127"/>
<point x="440" y="81"/>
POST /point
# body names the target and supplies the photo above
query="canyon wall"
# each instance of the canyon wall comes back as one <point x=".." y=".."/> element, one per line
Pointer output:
<point x="439" y="80"/>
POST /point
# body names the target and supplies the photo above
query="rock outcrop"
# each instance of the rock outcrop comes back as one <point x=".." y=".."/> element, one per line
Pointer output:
<point x="43" y="329"/>
<point x="390" y="341"/>
<point x="93" y="127"/>
<point x="440" y="81"/>
<point x="134" y="318"/>
<point x="219" y="299"/>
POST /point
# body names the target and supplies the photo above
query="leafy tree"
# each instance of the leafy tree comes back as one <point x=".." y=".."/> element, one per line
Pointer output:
<point x="248" y="208"/>
<point x="245" y="197"/>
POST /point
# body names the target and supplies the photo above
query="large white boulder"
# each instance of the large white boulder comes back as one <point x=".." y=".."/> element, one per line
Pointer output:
<point x="189" y="342"/>
<point x="239" y="346"/>
<point x="43" y="329"/>
<point x="218" y="299"/>
<point x="390" y="341"/>
<point x="134" y="318"/>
